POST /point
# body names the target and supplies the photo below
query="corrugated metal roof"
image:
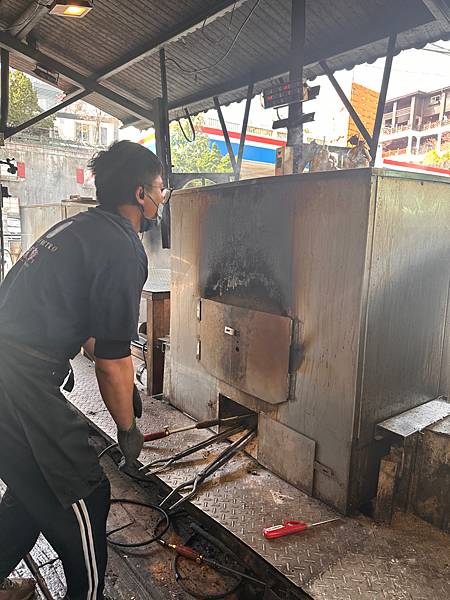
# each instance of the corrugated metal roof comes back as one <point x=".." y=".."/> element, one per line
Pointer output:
<point x="346" y="32"/>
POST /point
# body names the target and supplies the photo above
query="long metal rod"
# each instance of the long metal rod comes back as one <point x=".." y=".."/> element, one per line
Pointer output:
<point x="346" y="102"/>
<point x="244" y="131"/>
<point x="225" y="134"/>
<point x="298" y="37"/>
<point x="29" y="18"/>
<point x="33" y="567"/>
<point x="4" y="103"/>
<point x="383" y="94"/>
<point x="51" y="111"/>
<point x="10" y="43"/>
<point x="2" y="238"/>
<point x="165" y="116"/>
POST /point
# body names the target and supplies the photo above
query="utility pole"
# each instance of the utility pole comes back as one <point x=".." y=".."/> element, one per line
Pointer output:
<point x="298" y="34"/>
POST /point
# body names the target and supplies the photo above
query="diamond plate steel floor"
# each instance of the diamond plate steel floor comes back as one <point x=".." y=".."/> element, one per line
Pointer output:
<point x="349" y="559"/>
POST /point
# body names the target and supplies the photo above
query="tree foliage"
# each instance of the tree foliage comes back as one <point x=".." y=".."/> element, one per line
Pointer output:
<point x="434" y="159"/>
<point x="23" y="102"/>
<point x="196" y="156"/>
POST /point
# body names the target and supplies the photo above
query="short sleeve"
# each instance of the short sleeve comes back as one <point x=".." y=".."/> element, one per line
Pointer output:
<point x="115" y="298"/>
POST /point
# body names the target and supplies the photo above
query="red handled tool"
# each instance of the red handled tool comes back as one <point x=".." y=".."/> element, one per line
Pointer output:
<point x="291" y="527"/>
<point x="157" y="435"/>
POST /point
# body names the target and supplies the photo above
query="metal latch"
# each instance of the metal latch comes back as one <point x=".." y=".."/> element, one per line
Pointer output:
<point x="231" y="331"/>
<point x="327" y="471"/>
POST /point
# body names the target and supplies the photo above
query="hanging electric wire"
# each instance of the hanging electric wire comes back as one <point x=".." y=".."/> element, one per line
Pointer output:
<point x="224" y="56"/>
<point x="191" y="125"/>
<point x="213" y="41"/>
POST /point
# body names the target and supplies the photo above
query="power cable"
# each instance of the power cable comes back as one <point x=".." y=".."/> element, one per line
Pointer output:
<point x="224" y="56"/>
<point x="188" y="117"/>
<point x="165" y="519"/>
<point x="224" y="35"/>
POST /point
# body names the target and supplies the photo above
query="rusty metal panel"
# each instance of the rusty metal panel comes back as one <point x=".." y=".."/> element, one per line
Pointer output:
<point x="246" y="348"/>
<point x="331" y="224"/>
<point x="276" y="442"/>
<point x="444" y="384"/>
<point x="418" y="418"/>
<point x="246" y="238"/>
<point x="408" y="295"/>
<point x="432" y="494"/>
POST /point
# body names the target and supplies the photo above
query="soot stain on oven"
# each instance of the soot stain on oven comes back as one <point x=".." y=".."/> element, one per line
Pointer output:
<point x="246" y="254"/>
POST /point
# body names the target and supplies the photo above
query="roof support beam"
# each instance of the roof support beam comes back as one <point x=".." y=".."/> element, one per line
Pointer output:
<point x="298" y="36"/>
<point x="440" y="9"/>
<point x="225" y="134"/>
<point x="164" y="132"/>
<point x="378" y="31"/>
<point x="29" y="18"/>
<point x="383" y="94"/>
<point x="244" y="132"/>
<point x="51" y="111"/>
<point x="4" y="83"/>
<point x="12" y="44"/>
<point x="346" y="102"/>
<point x="124" y="62"/>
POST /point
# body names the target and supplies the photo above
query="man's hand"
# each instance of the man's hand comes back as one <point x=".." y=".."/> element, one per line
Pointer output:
<point x="130" y="442"/>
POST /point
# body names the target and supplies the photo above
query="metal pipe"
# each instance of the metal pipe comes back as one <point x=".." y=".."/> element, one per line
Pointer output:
<point x="244" y="131"/>
<point x="346" y="102"/>
<point x="4" y="80"/>
<point x="298" y="36"/>
<point x="225" y="134"/>
<point x="165" y="116"/>
<point x="11" y="43"/>
<point x="382" y="97"/>
<point x="13" y="130"/>
<point x="2" y="238"/>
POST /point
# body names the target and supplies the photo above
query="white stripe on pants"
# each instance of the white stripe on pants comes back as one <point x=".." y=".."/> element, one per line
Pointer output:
<point x="87" y="542"/>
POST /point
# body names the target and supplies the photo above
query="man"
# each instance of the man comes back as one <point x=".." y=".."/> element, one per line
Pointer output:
<point x="81" y="281"/>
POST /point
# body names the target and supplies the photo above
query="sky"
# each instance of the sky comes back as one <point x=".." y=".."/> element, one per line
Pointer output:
<point x="411" y="70"/>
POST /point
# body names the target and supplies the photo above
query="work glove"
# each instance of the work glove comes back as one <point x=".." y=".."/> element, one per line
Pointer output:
<point x="137" y="403"/>
<point x="130" y="442"/>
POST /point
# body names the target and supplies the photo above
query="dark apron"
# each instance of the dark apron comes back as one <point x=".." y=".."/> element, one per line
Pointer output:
<point x="40" y="429"/>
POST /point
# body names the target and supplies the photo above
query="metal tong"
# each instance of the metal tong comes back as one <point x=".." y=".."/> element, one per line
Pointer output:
<point x="158" y="435"/>
<point x="161" y="464"/>
<point x="194" y="483"/>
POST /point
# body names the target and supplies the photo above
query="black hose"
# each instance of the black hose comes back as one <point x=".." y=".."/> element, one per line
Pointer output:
<point x="201" y="595"/>
<point x="151" y="540"/>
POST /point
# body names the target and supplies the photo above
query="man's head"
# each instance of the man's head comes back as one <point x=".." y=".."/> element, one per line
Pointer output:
<point x="128" y="174"/>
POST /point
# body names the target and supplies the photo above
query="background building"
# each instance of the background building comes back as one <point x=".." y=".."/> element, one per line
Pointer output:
<point x="416" y="123"/>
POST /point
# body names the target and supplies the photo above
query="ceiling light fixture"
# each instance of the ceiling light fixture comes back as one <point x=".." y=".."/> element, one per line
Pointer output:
<point x="72" y="8"/>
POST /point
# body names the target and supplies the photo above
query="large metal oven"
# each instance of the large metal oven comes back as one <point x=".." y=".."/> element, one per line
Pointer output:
<point x="319" y="302"/>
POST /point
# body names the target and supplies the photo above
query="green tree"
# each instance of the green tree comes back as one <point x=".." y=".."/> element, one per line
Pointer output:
<point x="434" y="159"/>
<point x="23" y="102"/>
<point x="196" y="156"/>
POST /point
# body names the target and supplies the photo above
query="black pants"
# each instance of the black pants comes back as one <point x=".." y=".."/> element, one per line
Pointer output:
<point x="55" y="483"/>
<point x="77" y="535"/>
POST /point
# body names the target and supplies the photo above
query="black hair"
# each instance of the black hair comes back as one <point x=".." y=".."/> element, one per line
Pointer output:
<point x="121" y="169"/>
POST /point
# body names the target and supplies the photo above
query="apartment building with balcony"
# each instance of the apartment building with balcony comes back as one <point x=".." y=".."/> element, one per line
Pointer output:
<point x="416" y="123"/>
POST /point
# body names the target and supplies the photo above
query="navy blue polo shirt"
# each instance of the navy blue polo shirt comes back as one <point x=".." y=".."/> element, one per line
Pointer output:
<point x="81" y="279"/>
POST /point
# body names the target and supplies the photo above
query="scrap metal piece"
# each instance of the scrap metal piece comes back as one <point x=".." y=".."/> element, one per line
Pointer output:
<point x="417" y="419"/>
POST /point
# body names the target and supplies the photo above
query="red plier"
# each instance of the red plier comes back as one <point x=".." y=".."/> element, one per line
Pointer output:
<point x="290" y="527"/>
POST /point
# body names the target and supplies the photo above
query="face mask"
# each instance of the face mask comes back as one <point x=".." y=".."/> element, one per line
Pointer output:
<point x="146" y="224"/>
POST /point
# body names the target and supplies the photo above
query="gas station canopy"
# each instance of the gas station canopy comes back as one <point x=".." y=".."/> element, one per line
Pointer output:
<point x="212" y="48"/>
